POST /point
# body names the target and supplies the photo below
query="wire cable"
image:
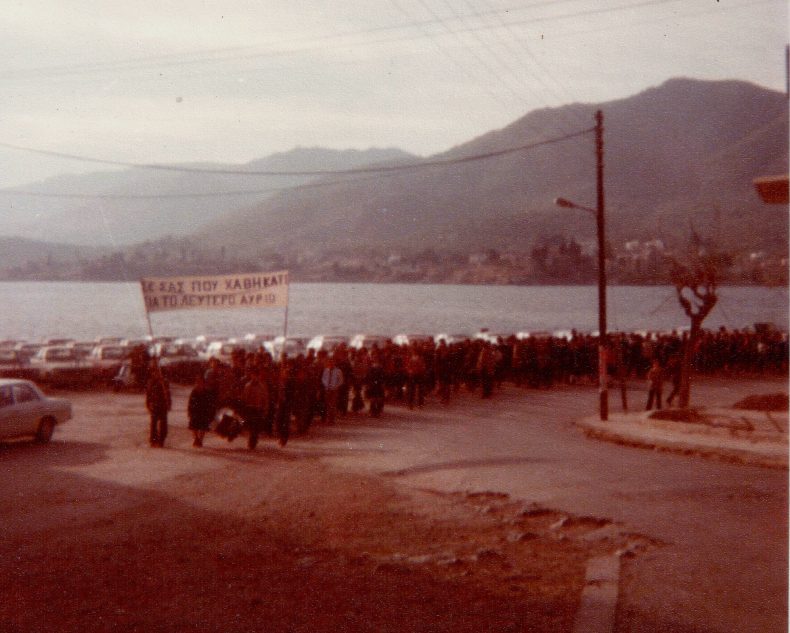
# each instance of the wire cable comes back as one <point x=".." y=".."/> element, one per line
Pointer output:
<point x="356" y="170"/>
<point x="432" y="22"/>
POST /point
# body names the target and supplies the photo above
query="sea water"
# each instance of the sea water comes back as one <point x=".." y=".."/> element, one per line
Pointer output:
<point x="84" y="311"/>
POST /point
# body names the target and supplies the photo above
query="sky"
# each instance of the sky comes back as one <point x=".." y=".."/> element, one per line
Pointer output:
<point x="176" y="81"/>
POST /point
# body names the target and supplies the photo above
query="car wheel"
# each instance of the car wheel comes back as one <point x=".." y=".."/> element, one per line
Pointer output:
<point x="45" y="429"/>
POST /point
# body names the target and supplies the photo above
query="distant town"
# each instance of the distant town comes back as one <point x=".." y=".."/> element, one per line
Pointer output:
<point x="555" y="260"/>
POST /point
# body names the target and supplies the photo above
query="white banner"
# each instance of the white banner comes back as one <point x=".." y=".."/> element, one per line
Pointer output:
<point x="245" y="290"/>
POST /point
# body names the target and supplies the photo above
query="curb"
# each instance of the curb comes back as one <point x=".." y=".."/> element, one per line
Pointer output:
<point x="638" y="431"/>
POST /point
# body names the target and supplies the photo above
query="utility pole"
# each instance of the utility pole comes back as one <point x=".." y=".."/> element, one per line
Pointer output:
<point x="602" y="342"/>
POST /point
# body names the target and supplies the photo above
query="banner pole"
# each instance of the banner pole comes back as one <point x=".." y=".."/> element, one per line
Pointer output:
<point x="147" y="314"/>
<point x="285" y="330"/>
<point x="150" y="329"/>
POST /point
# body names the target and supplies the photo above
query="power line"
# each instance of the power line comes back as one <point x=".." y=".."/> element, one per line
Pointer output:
<point x="687" y="14"/>
<point x="458" y="64"/>
<point x="514" y="51"/>
<point x="160" y="60"/>
<point x="154" y="196"/>
<point x="320" y="172"/>
<point x="435" y="20"/>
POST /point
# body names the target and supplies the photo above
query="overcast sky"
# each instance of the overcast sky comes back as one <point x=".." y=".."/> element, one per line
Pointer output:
<point x="233" y="80"/>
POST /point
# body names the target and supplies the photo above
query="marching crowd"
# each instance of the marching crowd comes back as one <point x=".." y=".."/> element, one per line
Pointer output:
<point x="266" y="396"/>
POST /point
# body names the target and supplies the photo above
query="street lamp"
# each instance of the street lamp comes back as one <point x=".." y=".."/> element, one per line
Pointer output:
<point x="602" y="376"/>
<point x="599" y="215"/>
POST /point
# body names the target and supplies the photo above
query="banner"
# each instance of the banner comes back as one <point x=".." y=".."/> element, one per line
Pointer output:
<point x="245" y="290"/>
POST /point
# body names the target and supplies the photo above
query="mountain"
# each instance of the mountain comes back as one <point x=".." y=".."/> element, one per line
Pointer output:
<point x="135" y="205"/>
<point x="678" y="156"/>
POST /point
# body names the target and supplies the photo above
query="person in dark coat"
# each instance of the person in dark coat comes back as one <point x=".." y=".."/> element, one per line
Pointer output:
<point x="256" y="405"/>
<point x="285" y="396"/>
<point x="158" y="403"/>
<point x="201" y="408"/>
<point x="655" y="379"/>
<point x="376" y="381"/>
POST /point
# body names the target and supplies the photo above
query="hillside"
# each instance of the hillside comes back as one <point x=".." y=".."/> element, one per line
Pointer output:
<point x="681" y="154"/>
<point x="135" y="205"/>
<point x="678" y="157"/>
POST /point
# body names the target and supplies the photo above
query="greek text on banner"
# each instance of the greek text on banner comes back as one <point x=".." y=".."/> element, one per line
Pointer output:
<point x="245" y="290"/>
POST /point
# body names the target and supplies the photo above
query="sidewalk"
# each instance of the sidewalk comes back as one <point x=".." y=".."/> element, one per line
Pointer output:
<point x="743" y="436"/>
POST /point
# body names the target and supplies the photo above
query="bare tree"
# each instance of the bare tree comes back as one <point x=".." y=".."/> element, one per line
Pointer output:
<point x="696" y="287"/>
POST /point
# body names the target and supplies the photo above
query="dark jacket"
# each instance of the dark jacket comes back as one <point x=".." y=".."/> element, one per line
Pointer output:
<point x="157" y="395"/>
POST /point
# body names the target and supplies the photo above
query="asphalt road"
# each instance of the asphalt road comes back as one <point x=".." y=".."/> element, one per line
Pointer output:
<point x="718" y="555"/>
<point x="719" y="559"/>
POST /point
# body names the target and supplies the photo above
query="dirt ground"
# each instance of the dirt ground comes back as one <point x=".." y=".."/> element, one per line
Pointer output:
<point x="103" y="533"/>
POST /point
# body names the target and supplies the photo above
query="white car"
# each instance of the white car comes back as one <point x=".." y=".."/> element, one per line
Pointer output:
<point x="490" y="337"/>
<point x="524" y="334"/>
<point x="223" y="350"/>
<point x="255" y="341"/>
<point x="60" y="365"/>
<point x="408" y="339"/>
<point x="292" y="346"/>
<point x="25" y="411"/>
<point x="106" y="360"/>
<point x="449" y="339"/>
<point x="327" y="343"/>
<point x="358" y="341"/>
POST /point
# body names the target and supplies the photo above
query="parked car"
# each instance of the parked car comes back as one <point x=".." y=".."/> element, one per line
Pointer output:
<point x="524" y="334"/>
<point x="450" y="338"/>
<point x="179" y="363"/>
<point x="223" y="350"/>
<point x="83" y="348"/>
<point x="408" y="339"/>
<point x="27" y="350"/>
<point x="51" y="342"/>
<point x="292" y="345"/>
<point x="358" y="341"/>
<point x="490" y="337"/>
<point x="106" y="360"/>
<point x="59" y="365"/>
<point x="255" y="341"/>
<point x="326" y="342"/>
<point x="25" y="410"/>
<point x="14" y="365"/>
<point x="109" y="340"/>
<point x="135" y="342"/>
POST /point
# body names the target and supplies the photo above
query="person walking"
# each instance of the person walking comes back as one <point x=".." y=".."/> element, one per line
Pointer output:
<point x="332" y="380"/>
<point x="673" y="369"/>
<point x="415" y="377"/>
<point x="375" y="385"/>
<point x="158" y="403"/>
<point x="443" y="371"/>
<point x="201" y="407"/>
<point x="285" y="398"/>
<point x="256" y="404"/>
<point x="486" y="368"/>
<point x="655" y="380"/>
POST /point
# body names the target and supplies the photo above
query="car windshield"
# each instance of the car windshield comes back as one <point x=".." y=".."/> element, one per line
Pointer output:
<point x="177" y="350"/>
<point x="60" y="354"/>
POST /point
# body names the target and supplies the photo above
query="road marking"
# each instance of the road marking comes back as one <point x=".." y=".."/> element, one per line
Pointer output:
<point x="598" y="602"/>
